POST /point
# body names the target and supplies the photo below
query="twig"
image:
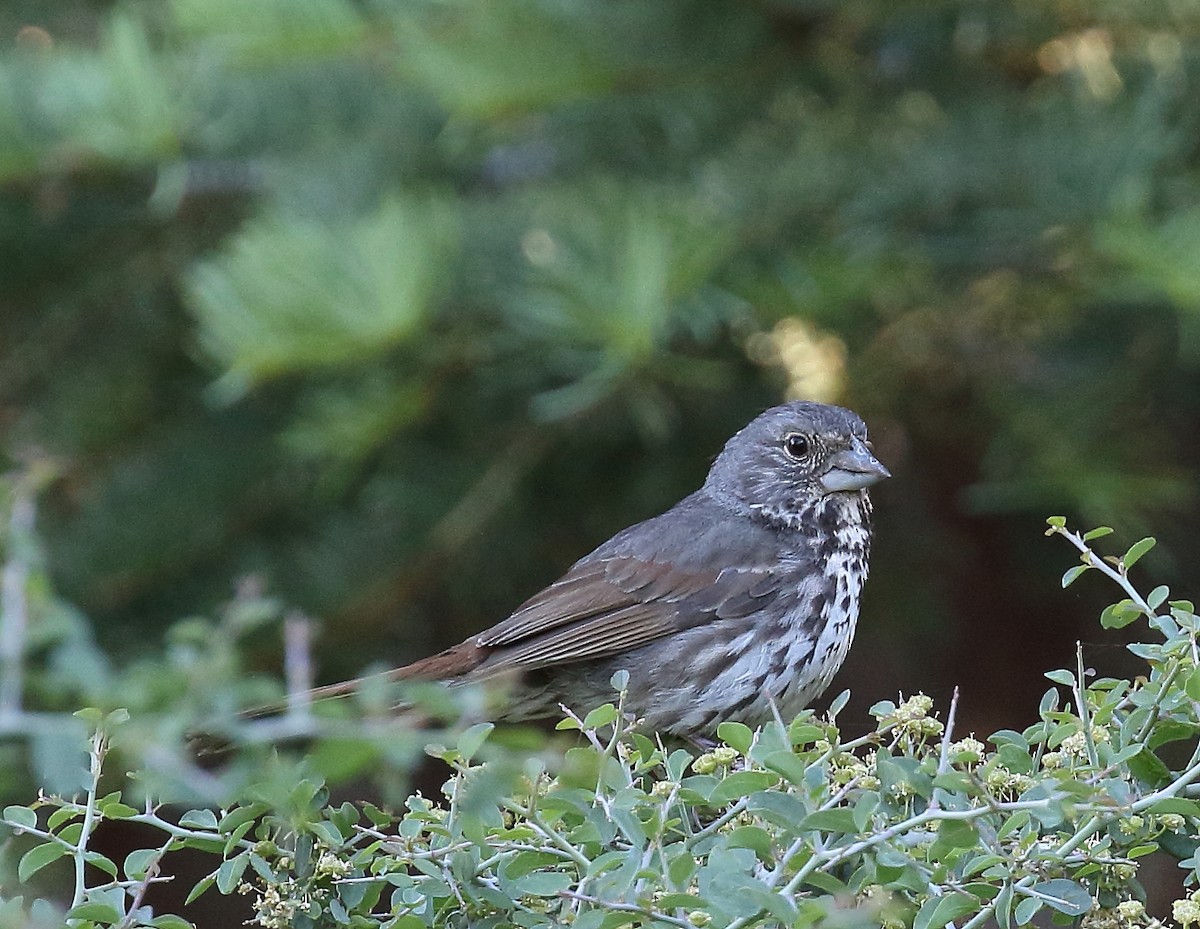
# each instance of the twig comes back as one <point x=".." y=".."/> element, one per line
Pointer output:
<point x="297" y="663"/>
<point x="149" y="878"/>
<point x="14" y="604"/>
<point x="89" y="816"/>
<point x="1085" y="716"/>
<point x="627" y="908"/>
<point x="944" y="756"/>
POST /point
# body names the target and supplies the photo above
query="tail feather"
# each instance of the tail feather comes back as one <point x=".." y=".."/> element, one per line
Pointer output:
<point x="453" y="664"/>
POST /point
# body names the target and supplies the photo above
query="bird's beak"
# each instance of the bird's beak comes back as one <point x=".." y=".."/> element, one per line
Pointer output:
<point x="853" y="469"/>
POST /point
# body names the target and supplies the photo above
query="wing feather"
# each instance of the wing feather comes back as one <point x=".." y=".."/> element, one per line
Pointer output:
<point x="595" y="611"/>
<point x="668" y="574"/>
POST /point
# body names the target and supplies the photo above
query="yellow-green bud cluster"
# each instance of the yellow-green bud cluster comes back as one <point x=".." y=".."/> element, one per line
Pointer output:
<point x="845" y="767"/>
<point x="967" y="752"/>
<point x="273" y="909"/>
<point x="912" y="718"/>
<point x="720" y="757"/>
<point x="329" y="865"/>
<point x="1006" y="784"/>
<point x="1128" y="914"/>
<point x="1186" y="912"/>
<point x="1076" y="743"/>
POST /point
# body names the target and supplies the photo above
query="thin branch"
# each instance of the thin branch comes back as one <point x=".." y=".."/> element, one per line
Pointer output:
<point x="1085" y="716"/>
<point x="14" y="603"/>
<point x="89" y="816"/>
<point x="297" y="663"/>
<point x="628" y="908"/>
<point x="151" y="877"/>
<point x="944" y="755"/>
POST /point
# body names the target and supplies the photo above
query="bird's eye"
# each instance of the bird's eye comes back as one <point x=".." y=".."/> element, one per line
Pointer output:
<point x="796" y="445"/>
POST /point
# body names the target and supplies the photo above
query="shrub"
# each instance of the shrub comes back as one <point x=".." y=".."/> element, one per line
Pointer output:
<point x="911" y="825"/>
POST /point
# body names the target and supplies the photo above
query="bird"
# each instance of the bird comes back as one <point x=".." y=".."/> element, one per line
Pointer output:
<point x="739" y="603"/>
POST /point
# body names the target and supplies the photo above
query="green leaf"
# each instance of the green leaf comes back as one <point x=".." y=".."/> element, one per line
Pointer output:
<point x="230" y="873"/>
<point x="544" y="883"/>
<point x="825" y="882"/>
<point x="739" y="784"/>
<point x="673" y="900"/>
<point x="1016" y="822"/>
<point x="37" y="858"/>
<point x="838" y="703"/>
<point x="1148" y="767"/>
<point x="235" y="837"/>
<point x="1098" y="533"/>
<point x="840" y="821"/>
<point x="472" y="739"/>
<point x="239" y="815"/>
<point x="864" y="807"/>
<point x="1192" y="684"/>
<point x="755" y="838"/>
<point x="328" y="833"/>
<point x="601" y="716"/>
<point x="201" y="886"/>
<point x="787" y="764"/>
<point x="1063" y="895"/>
<point x="138" y="861"/>
<point x="263" y="869"/>
<point x="60" y="816"/>
<point x="1157" y="596"/>
<point x="118" y="810"/>
<point x="1066" y="678"/>
<point x="21" y="816"/>
<point x="955" y="782"/>
<point x="1180" y="805"/>
<point x="1071" y="574"/>
<point x="1136" y="551"/>
<point x="1119" y="615"/>
<point x="96" y="911"/>
<point x="105" y="864"/>
<point x="199" y="819"/>
<point x="1056" y="522"/>
<point x="936" y="912"/>
<point x="71" y="833"/>
<point x="1004" y="902"/>
<point x="952" y="834"/>
<point x="1025" y="910"/>
<point x="803" y="734"/>
<point x="736" y="735"/>
<point x="170" y="921"/>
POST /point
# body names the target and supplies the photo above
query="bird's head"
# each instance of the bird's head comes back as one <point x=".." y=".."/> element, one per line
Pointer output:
<point x="794" y="455"/>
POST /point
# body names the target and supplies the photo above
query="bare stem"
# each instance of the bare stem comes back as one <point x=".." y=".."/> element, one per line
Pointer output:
<point x="98" y="749"/>
<point x="14" y="604"/>
<point x="297" y="663"/>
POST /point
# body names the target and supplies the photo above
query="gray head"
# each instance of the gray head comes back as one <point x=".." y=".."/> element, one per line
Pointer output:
<point x="794" y="455"/>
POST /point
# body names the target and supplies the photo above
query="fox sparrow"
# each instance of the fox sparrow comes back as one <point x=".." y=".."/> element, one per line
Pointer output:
<point x="742" y="595"/>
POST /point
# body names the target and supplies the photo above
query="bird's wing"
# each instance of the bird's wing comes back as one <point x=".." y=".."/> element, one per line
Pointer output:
<point x="607" y="605"/>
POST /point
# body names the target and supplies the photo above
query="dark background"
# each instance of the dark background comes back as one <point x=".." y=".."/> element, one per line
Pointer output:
<point x="401" y="307"/>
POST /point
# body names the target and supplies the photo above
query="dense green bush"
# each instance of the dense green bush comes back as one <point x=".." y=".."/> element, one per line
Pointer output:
<point x="910" y="825"/>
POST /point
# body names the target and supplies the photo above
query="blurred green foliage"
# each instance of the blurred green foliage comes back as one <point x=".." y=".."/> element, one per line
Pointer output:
<point x="403" y="306"/>
<point x="793" y="824"/>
